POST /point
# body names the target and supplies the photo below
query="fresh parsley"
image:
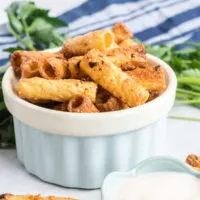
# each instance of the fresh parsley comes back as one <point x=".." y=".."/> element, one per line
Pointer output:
<point x="35" y="30"/>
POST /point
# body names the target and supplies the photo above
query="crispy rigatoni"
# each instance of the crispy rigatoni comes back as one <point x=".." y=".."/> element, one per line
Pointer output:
<point x="121" y="32"/>
<point x="31" y="197"/>
<point x="127" y="42"/>
<point x="26" y="63"/>
<point x="81" y="104"/>
<point x="40" y="90"/>
<point x="74" y="68"/>
<point x="152" y="77"/>
<point x="128" y="58"/>
<point x="54" y="68"/>
<point x="102" y="39"/>
<point x="113" y="79"/>
<point x="106" y="102"/>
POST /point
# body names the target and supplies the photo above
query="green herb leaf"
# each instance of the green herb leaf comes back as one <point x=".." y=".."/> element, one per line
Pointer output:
<point x="25" y="8"/>
<point x="55" y="22"/>
<point x="12" y="49"/>
<point x="191" y="73"/>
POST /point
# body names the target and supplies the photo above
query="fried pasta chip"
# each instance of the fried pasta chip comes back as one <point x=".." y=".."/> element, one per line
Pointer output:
<point x="152" y="77"/>
<point x="81" y="104"/>
<point x="128" y="58"/>
<point x="106" y="102"/>
<point x="31" y="197"/>
<point x="101" y="39"/>
<point x="26" y="63"/>
<point x="54" y="68"/>
<point x="121" y="32"/>
<point x="113" y="79"/>
<point x="127" y="42"/>
<point x="40" y="90"/>
<point x="194" y="161"/>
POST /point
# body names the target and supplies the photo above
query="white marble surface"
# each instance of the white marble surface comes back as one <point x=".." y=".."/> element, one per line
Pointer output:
<point x="183" y="138"/>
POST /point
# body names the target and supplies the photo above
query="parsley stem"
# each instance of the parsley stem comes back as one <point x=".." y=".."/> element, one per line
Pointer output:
<point x="184" y="118"/>
<point x="27" y="34"/>
<point x="21" y="40"/>
<point x="187" y="92"/>
<point x="188" y="101"/>
<point x="188" y="80"/>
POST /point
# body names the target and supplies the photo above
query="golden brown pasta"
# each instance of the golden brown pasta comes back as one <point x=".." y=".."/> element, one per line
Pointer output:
<point x="152" y="77"/>
<point x="40" y="90"/>
<point x="128" y="58"/>
<point x="106" y="102"/>
<point x="26" y="63"/>
<point x="193" y="160"/>
<point x="154" y="94"/>
<point x="121" y="32"/>
<point x="31" y="197"/>
<point x="54" y="68"/>
<point x="80" y="45"/>
<point x="113" y="79"/>
<point x="127" y="42"/>
<point x="74" y="68"/>
<point x="81" y="104"/>
<point x="61" y="106"/>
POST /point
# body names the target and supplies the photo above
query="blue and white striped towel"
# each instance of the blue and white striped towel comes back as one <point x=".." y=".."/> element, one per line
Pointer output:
<point x="152" y="21"/>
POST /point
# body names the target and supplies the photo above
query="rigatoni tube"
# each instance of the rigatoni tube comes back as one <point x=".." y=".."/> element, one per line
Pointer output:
<point x="102" y="39"/>
<point x="113" y="79"/>
<point x="39" y="90"/>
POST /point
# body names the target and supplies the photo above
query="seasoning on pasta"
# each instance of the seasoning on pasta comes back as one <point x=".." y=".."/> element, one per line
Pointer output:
<point x="127" y="42"/>
<point x="102" y="39"/>
<point x="106" y="102"/>
<point x="121" y="32"/>
<point x="74" y="68"/>
<point x="128" y="58"/>
<point x="54" y="68"/>
<point x="113" y="79"/>
<point x="40" y="90"/>
<point x="26" y="63"/>
<point x="81" y="104"/>
<point x="152" y="77"/>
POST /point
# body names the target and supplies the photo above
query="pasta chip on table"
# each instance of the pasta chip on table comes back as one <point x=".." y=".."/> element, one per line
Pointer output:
<point x="113" y="79"/>
<point x="31" y="197"/>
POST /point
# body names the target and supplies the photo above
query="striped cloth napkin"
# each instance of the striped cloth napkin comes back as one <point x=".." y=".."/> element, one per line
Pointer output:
<point x="152" y="21"/>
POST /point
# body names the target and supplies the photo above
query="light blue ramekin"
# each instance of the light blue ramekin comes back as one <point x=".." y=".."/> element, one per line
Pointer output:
<point x="83" y="162"/>
<point x="78" y="150"/>
<point x="154" y="164"/>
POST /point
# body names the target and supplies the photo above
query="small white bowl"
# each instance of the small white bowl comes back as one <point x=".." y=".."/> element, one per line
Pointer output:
<point x="63" y="148"/>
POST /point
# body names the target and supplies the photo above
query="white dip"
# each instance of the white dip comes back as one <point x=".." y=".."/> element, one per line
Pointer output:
<point x="160" y="186"/>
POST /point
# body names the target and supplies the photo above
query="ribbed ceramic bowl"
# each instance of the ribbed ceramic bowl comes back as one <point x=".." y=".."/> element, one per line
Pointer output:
<point x="79" y="150"/>
<point x="154" y="164"/>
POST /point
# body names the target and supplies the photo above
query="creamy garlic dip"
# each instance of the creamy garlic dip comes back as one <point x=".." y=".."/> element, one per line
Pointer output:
<point x="159" y="186"/>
